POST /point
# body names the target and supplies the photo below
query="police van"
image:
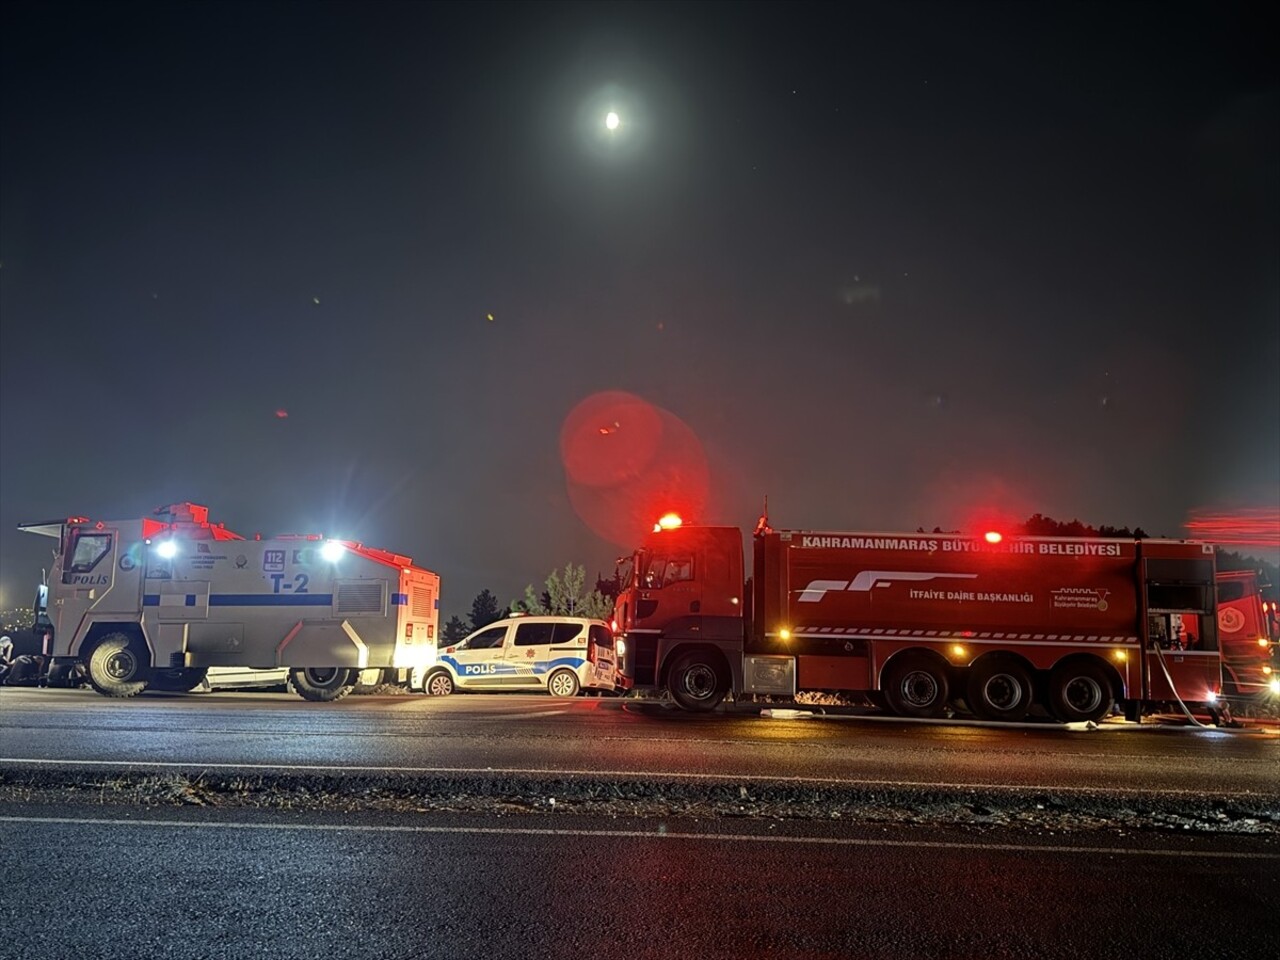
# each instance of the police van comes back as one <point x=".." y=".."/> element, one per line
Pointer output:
<point x="562" y="655"/>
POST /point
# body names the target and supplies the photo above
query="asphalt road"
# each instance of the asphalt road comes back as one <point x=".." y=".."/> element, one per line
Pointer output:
<point x="610" y="737"/>
<point x="92" y="883"/>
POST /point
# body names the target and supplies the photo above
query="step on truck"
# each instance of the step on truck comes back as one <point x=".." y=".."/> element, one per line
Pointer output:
<point x="152" y="603"/>
<point x="922" y="623"/>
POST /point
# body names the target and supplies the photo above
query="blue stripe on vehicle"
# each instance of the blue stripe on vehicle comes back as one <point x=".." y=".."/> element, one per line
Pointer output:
<point x="400" y="599"/>
<point x="252" y="600"/>
<point x="546" y="666"/>
<point x="271" y="600"/>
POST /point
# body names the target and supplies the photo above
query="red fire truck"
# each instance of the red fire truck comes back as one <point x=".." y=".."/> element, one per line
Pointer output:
<point x="919" y="621"/>
<point x="1248" y="632"/>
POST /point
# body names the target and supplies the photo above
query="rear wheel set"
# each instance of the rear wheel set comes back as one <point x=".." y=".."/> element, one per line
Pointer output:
<point x="323" y="684"/>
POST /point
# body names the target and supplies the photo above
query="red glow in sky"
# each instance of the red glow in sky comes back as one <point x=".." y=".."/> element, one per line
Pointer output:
<point x="628" y="462"/>
<point x="1249" y="527"/>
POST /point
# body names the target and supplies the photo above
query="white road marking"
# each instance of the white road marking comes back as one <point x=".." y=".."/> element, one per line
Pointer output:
<point x="655" y="834"/>
<point x="635" y="774"/>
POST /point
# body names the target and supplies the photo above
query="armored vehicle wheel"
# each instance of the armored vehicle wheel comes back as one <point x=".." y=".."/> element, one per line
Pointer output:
<point x="177" y="679"/>
<point x="999" y="689"/>
<point x="322" y="684"/>
<point x="563" y="683"/>
<point x="697" y="681"/>
<point x="119" y="666"/>
<point x="916" y="687"/>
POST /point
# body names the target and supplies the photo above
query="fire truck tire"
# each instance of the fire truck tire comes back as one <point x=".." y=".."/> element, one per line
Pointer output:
<point x="438" y="683"/>
<point x="1080" y="690"/>
<point x="322" y="684"/>
<point x="698" y="681"/>
<point x="563" y="684"/>
<point x="999" y="689"/>
<point x="119" y="666"/>
<point x="916" y="687"/>
<point x="177" y="680"/>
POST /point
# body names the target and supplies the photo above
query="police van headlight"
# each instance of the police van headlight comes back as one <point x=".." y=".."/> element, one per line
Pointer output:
<point x="332" y="551"/>
<point x="622" y="650"/>
<point x="167" y="549"/>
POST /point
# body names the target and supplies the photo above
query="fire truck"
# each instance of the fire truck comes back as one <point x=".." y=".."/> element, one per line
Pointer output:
<point x="1248" y="632"/>
<point x="154" y="602"/>
<point x="920" y="623"/>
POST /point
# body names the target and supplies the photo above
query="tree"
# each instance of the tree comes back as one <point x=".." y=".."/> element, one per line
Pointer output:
<point x="455" y="631"/>
<point x="485" y="610"/>
<point x="563" y="596"/>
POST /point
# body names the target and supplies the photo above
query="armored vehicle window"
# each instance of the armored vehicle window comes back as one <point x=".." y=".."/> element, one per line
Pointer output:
<point x="534" y="634"/>
<point x="88" y="550"/>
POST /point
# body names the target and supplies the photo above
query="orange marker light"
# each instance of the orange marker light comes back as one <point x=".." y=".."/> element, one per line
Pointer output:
<point x="993" y="537"/>
<point x="669" y="522"/>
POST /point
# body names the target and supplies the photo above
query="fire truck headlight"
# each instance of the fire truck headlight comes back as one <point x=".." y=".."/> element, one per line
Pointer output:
<point x="1263" y="642"/>
<point x="1275" y="685"/>
<point x="1211" y="696"/>
<point x="332" y="551"/>
<point x="167" y="549"/>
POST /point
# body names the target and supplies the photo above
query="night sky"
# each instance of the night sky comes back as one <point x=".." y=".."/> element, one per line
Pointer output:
<point x="351" y="268"/>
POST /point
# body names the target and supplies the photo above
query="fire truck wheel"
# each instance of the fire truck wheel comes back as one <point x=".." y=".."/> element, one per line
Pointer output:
<point x="322" y="684"/>
<point x="563" y="684"/>
<point x="697" y="681"/>
<point x="438" y="684"/>
<point x="119" y="666"/>
<point x="1080" y="690"/>
<point x="177" y="680"/>
<point x="916" y="687"/>
<point x="999" y="690"/>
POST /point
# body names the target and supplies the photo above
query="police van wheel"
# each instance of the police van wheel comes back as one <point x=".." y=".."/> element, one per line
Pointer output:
<point x="322" y="684"/>
<point x="119" y="666"/>
<point x="438" y="684"/>
<point x="999" y="689"/>
<point x="177" y="680"/>
<point x="1080" y="691"/>
<point x="563" y="684"/>
<point x="916" y="687"/>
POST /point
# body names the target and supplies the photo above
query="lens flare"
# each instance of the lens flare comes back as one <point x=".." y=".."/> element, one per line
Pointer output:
<point x="627" y="461"/>
<point x="1249" y="527"/>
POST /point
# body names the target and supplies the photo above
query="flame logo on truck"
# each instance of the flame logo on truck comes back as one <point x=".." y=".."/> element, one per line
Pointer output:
<point x="867" y="579"/>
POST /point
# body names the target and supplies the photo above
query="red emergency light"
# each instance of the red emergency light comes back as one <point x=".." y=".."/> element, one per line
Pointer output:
<point x="668" y="521"/>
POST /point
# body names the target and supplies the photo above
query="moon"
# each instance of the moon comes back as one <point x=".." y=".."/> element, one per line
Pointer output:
<point x="611" y="120"/>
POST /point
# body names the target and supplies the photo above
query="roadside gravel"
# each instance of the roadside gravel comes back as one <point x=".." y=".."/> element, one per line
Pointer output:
<point x="612" y="796"/>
